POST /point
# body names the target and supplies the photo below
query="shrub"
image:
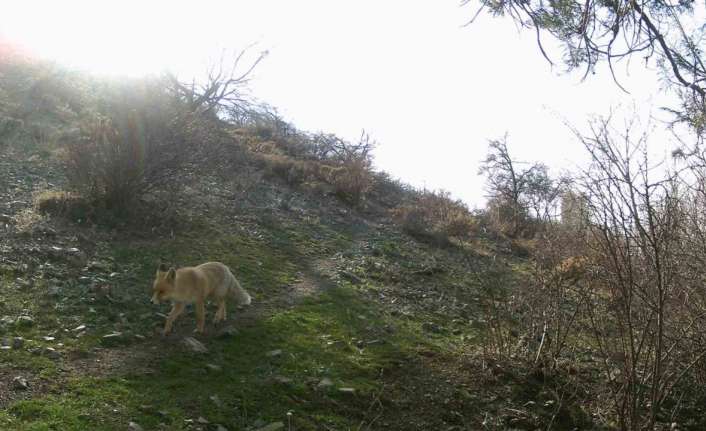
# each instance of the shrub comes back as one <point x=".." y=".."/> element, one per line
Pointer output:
<point x="435" y="215"/>
<point x="143" y="138"/>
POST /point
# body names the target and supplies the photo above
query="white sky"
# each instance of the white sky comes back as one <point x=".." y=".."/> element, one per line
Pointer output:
<point x="430" y="91"/>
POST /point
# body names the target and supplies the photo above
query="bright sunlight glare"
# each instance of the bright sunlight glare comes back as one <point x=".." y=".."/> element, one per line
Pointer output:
<point x="430" y="90"/>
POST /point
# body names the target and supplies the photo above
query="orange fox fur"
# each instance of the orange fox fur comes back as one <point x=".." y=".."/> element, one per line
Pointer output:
<point x="195" y="285"/>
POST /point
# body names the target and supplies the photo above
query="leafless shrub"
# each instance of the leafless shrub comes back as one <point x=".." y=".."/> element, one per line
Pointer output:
<point x="643" y="321"/>
<point x="144" y="140"/>
<point x="435" y="216"/>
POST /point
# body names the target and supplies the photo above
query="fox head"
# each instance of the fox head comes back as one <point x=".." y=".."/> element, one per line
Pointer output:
<point x="163" y="283"/>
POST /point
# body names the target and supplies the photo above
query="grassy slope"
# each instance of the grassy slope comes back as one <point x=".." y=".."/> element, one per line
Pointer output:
<point x="340" y="297"/>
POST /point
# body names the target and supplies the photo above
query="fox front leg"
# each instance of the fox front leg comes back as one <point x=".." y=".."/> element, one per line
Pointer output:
<point x="177" y="309"/>
<point x="200" y="316"/>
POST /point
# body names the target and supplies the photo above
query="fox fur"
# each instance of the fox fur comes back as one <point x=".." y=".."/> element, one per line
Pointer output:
<point x="195" y="285"/>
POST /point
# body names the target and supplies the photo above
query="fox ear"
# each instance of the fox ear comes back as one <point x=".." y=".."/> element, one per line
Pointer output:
<point x="171" y="275"/>
<point x="162" y="267"/>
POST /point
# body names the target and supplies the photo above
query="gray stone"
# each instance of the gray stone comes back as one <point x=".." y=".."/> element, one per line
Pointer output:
<point x="214" y="367"/>
<point x="274" y="353"/>
<point x="194" y="345"/>
<point x="52" y="353"/>
<point x="134" y="426"/>
<point x="112" y="339"/>
<point x="20" y="383"/>
<point x="274" y="426"/>
<point x="431" y="327"/>
<point x="325" y="383"/>
<point x="25" y="320"/>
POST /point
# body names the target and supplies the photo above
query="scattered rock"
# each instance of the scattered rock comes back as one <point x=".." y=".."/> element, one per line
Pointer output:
<point x="194" y="345"/>
<point x="79" y="328"/>
<point x="134" y="426"/>
<point x="274" y="353"/>
<point x="202" y="420"/>
<point x="274" y="426"/>
<point x="20" y="383"/>
<point x="112" y="339"/>
<point x="48" y="338"/>
<point x="216" y="400"/>
<point x="25" y="320"/>
<point x="227" y="332"/>
<point x="325" y="383"/>
<point x="52" y="353"/>
<point x="214" y="367"/>
<point x="431" y="327"/>
<point x="351" y="277"/>
<point x="347" y="390"/>
<point x="282" y="380"/>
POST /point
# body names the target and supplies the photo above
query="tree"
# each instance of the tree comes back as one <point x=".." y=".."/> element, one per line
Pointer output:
<point x="517" y="191"/>
<point x="614" y="30"/>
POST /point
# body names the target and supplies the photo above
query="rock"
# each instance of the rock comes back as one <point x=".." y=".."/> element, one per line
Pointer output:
<point x="4" y="218"/>
<point x="216" y="400"/>
<point x="351" y="277"/>
<point x="282" y="380"/>
<point x="431" y="327"/>
<point x="134" y="426"/>
<point x="194" y="345"/>
<point x="227" y="332"/>
<point x="79" y="328"/>
<point x="274" y="426"/>
<point x="202" y="420"/>
<point x="274" y="353"/>
<point x="325" y="383"/>
<point x="220" y="427"/>
<point x="25" y="320"/>
<point x="214" y="367"/>
<point x="76" y="257"/>
<point x="20" y="383"/>
<point x="112" y="339"/>
<point x="48" y="338"/>
<point x="346" y="390"/>
<point x="52" y="353"/>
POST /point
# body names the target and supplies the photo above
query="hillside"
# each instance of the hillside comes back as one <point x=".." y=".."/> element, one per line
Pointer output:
<point x="354" y="324"/>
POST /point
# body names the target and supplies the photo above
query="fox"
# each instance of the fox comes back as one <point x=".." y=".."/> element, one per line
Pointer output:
<point x="195" y="285"/>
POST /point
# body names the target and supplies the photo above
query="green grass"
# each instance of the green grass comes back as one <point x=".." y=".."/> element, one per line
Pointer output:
<point x="318" y="339"/>
<point x="338" y="333"/>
